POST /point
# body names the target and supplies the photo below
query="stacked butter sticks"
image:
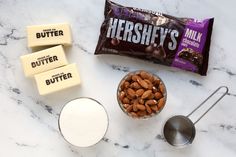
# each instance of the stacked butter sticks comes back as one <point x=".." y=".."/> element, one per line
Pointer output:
<point x="50" y="67"/>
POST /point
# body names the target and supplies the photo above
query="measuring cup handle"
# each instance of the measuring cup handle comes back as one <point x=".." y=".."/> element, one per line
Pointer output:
<point x="226" y="92"/>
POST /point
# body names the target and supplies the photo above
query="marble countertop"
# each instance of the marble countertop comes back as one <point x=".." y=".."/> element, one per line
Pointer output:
<point x="29" y="121"/>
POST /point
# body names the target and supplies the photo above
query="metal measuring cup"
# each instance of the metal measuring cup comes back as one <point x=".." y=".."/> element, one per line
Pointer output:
<point x="179" y="130"/>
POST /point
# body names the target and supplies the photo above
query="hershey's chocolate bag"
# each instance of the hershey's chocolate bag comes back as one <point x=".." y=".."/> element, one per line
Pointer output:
<point x="161" y="38"/>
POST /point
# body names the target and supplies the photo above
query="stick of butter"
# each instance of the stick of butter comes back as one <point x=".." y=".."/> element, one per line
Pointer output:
<point x="54" y="34"/>
<point x="44" y="60"/>
<point x="57" y="79"/>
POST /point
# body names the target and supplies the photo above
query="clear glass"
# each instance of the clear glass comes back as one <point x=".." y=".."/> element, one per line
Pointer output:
<point x="60" y="127"/>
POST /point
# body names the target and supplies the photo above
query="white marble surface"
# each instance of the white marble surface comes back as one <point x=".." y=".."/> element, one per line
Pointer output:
<point x="29" y="121"/>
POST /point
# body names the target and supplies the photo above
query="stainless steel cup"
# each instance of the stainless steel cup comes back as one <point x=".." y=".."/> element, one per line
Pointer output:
<point x="179" y="131"/>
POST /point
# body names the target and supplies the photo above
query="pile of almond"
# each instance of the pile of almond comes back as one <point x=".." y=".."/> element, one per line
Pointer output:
<point x="141" y="94"/>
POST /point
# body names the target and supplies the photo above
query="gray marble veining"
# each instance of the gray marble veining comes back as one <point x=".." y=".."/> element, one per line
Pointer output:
<point x="29" y="121"/>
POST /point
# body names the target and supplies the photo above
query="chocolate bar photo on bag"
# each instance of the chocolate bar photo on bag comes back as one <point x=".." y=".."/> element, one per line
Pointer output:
<point x="194" y="57"/>
<point x="157" y="37"/>
<point x="156" y="51"/>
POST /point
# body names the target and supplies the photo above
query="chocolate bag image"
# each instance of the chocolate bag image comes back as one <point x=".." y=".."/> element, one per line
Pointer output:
<point x="177" y="42"/>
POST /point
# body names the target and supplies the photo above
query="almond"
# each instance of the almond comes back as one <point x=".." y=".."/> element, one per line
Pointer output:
<point x="151" y="102"/>
<point x="131" y="92"/>
<point x="162" y="88"/>
<point x="139" y="92"/>
<point x="141" y="113"/>
<point x="122" y="95"/>
<point x="151" y="96"/>
<point x="158" y="95"/>
<point x="161" y="103"/>
<point x="126" y="84"/>
<point x="135" y="85"/>
<point x="149" y="110"/>
<point x="136" y="78"/>
<point x="150" y="85"/>
<point x="129" y="97"/>
<point x="143" y="83"/>
<point x="141" y="107"/>
<point x="125" y="100"/>
<point x="146" y="94"/>
<point x="129" y="78"/>
<point x="151" y="78"/>
<point x="154" y="89"/>
<point x="122" y="85"/>
<point x="156" y="82"/>
<point x="126" y="105"/>
<point x="145" y="75"/>
<point x="141" y="101"/>
<point x="129" y="108"/>
<point x="154" y="108"/>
